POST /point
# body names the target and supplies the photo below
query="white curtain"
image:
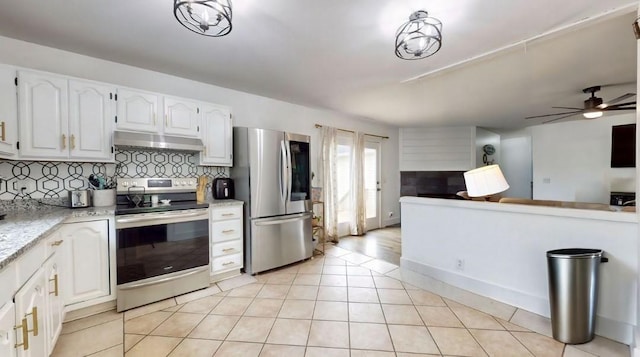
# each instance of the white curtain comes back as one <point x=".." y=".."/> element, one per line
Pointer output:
<point x="330" y="182"/>
<point x="358" y="218"/>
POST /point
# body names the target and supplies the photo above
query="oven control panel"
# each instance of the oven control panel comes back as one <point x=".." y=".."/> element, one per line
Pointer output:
<point x="158" y="184"/>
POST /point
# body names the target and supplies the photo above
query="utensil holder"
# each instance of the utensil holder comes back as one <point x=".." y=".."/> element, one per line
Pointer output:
<point x="103" y="198"/>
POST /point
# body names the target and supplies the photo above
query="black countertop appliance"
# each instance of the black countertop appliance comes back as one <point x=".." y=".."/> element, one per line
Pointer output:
<point x="223" y="188"/>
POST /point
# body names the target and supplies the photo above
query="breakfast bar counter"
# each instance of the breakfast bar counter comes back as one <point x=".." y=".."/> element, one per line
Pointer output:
<point x="498" y="250"/>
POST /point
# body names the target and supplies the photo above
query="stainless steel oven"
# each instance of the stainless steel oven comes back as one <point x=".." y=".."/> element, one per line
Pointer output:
<point x="161" y="251"/>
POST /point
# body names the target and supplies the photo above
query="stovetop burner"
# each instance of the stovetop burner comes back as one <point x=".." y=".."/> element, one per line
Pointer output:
<point x="134" y="195"/>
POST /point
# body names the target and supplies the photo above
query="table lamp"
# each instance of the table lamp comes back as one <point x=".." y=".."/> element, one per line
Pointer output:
<point x="485" y="181"/>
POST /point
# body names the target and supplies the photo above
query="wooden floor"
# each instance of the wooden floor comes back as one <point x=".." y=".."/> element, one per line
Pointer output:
<point x="383" y="244"/>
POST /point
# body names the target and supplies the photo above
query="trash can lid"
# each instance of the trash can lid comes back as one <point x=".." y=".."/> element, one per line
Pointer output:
<point x="575" y="253"/>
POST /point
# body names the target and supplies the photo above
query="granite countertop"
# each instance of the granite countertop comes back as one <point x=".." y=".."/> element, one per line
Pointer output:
<point x="221" y="203"/>
<point x="23" y="229"/>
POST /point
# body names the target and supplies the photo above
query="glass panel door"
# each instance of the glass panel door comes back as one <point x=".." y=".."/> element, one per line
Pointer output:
<point x="372" y="183"/>
<point x="300" y="171"/>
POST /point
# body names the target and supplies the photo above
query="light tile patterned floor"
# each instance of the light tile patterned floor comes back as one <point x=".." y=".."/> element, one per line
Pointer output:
<point x="338" y="305"/>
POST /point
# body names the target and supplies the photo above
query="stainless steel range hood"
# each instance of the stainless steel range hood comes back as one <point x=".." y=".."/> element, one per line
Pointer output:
<point x="152" y="141"/>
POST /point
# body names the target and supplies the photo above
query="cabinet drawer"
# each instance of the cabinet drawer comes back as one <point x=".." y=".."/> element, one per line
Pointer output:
<point x="28" y="263"/>
<point x="226" y="248"/>
<point x="226" y="230"/>
<point x="53" y="243"/>
<point x="227" y="262"/>
<point x="223" y="213"/>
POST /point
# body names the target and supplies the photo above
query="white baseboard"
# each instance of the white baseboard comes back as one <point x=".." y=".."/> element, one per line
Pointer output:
<point x="391" y="222"/>
<point x="606" y="327"/>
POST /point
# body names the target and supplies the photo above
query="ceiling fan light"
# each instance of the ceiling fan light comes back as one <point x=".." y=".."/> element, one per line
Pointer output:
<point x="205" y="17"/>
<point x="592" y="114"/>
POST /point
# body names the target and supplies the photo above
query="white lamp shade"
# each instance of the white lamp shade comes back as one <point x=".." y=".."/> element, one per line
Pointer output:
<point x="485" y="181"/>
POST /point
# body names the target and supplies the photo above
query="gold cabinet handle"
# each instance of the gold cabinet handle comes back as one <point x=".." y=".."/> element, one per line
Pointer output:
<point x="227" y="263"/>
<point x="228" y="230"/>
<point x="166" y="119"/>
<point x="227" y="214"/>
<point x="25" y="335"/>
<point x="228" y="250"/>
<point x="154" y="118"/>
<point x="34" y="316"/>
<point x="72" y="141"/>
<point x="205" y="150"/>
<point x="57" y="243"/>
<point x="55" y="285"/>
<point x="3" y="131"/>
<point x="64" y="141"/>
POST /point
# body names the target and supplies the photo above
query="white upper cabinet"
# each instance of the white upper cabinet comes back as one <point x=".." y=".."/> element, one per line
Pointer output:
<point x="181" y="117"/>
<point x="90" y="118"/>
<point x="43" y="110"/>
<point x="64" y="119"/>
<point x="8" y="113"/>
<point x="217" y="135"/>
<point x="138" y="111"/>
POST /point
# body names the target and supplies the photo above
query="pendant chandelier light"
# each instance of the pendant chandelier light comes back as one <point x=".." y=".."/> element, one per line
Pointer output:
<point x="420" y="37"/>
<point x="204" y="17"/>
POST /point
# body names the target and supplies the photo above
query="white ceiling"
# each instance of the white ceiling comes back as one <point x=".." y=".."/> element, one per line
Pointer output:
<point x="339" y="55"/>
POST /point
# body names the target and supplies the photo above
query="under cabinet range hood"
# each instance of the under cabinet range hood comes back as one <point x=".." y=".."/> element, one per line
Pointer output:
<point x="153" y="141"/>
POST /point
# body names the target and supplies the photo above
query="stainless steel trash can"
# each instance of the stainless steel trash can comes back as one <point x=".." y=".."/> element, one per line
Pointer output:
<point x="573" y="292"/>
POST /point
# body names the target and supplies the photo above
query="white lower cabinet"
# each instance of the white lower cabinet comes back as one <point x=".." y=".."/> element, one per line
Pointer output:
<point x="7" y="333"/>
<point x="226" y="244"/>
<point x="55" y="304"/>
<point x="31" y="315"/>
<point x="85" y="259"/>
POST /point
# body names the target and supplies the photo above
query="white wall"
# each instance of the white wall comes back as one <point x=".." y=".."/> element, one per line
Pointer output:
<point x="572" y="160"/>
<point x="515" y="162"/>
<point x="486" y="137"/>
<point x="504" y="247"/>
<point x="437" y="149"/>
<point x="248" y="109"/>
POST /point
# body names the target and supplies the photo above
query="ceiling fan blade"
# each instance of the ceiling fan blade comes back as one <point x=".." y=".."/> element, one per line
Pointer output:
<point x="550" y="115"/>
<point x="615" y="100"/>
<point x="627" y="108"/>
<point x="619" y="105"/>
<point x="567" y="108"/>
<point x="556" y="119"/>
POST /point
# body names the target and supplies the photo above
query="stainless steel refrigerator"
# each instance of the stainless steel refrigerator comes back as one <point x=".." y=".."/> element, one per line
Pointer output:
<point x="272" y="175"/>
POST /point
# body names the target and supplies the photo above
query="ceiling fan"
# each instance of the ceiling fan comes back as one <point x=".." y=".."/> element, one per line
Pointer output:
<point x="593" y="106"/>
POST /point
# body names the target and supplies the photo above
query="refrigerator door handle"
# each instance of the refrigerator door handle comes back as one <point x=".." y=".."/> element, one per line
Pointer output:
<point x="289" y="168"/>
<point x="290" y="218"/>
<point x="283" y="171"/>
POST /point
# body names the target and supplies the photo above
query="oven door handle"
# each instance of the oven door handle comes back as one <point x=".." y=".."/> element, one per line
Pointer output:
<point x="165" y="216"/>
<point x="163" y="280"/>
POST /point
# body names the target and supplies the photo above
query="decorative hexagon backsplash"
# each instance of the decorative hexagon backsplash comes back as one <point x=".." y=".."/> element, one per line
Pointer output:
<point x="44" y="179"/>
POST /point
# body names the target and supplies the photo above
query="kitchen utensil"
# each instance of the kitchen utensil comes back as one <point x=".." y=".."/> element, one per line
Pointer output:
<point x="93" y="180"/>
<point x="201" y="189"/>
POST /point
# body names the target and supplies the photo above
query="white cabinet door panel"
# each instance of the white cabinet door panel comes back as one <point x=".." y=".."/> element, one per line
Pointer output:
<point x="86" y="261"/>
<point x="90" y="120"/>
<point x="226" y="230"/>
<point x="226" y="248"/>
<point x="55" y="304"/>
<point x="226" y="262"/>
<point x="138" y="111"/>
<point x="217" y="135"/>
<point x="182" y="117"/>
<point x="43" y="111"/>
<point x="8" y="113"/>
<point x="7" y="334"/>
<point x="31" y="309"/>
<point x="224" y="213"/>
